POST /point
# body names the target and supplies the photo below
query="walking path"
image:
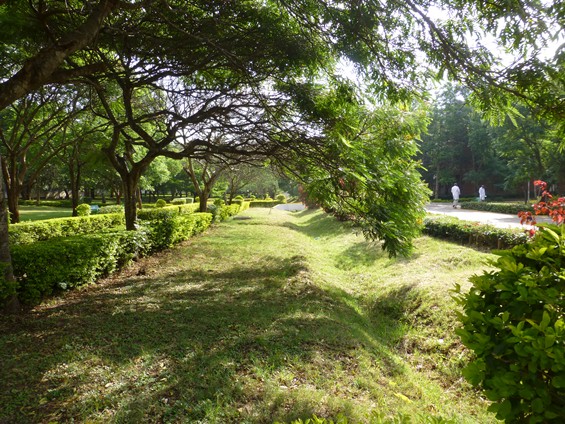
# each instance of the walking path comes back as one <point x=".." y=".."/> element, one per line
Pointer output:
<point x="500" y="220"/>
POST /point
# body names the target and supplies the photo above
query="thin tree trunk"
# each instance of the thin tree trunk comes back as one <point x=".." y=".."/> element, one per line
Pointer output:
<point x="11" y="304"/>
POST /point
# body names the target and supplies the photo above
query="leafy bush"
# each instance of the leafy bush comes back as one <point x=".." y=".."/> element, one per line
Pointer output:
<point x="160" y="203"/>
<point x="30" y="232"/>
<point x="281" y="198"/>
<point x="263" y="203"/>
<point x="167" y="211"/>
<point x="61" y="263"/>
<point x="83" y="209"/>
<point x="179" y="201"/>
<point x="514" y="321"/>
<point x="466" y="232"/>
<point x="173" y="229"/>
<point x="509" y="208"/>
<point x="111" y="209"/>
<point x="239" y="197"/>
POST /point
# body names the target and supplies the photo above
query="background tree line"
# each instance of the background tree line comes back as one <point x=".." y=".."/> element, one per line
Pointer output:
<point x="462" y="146"/>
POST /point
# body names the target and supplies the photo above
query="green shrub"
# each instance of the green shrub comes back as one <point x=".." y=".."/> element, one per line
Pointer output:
<point x="179" y="201"/>
<point x="111" y="209"/>
<point x="219" y="202"/>
<point x="159" y="213"/>
<point x="160" y="203"/>
<point x="281" y="198"/>
<point x="509" y="208"/>
<point x="62" y="263"/>
<point x="263" y="203"/>
<point x="466" y="232"/>
<point x="239" y="197"/>
<point x="30" y="232"/>
<point x="7" y="288"/>
<point x="173" y="229"/>
<point x="83" y="209"/>
<point x="514" y="321"/>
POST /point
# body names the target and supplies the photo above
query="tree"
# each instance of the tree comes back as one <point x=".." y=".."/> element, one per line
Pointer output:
<point x="204" y="175"/>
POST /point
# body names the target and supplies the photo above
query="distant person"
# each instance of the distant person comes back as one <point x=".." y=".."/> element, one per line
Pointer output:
<point x="456" y="193"/>
<point x="482" y="194"/>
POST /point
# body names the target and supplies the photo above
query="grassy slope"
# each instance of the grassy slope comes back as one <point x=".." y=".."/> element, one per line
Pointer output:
<point x="38" y="213"/>
<point x="277" y="317"/>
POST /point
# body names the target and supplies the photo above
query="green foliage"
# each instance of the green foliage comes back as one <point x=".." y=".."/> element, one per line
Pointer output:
<point x="62" y="263"/>
<point x="111" y="209"/>
<point x="508" y="208"/>
<point x="158" y="213"/>
<point x="281" y="198"/>
<point x="376" y="181"/>
<point x="7" y="288"/>
<point x="30" y="232"/>
<point x="263" y="203"/>
<point x="83" y="209"/>
<point x="473" y="233"/>
<point x="160" y="203"/>
<point x="179" y="201"/>
<point x="172" y="229"/>
<point x="513" y="320"/>
<point x="54" y="203"/>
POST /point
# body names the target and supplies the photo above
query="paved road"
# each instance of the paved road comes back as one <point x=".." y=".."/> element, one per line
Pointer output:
<point x="500" y="220"/>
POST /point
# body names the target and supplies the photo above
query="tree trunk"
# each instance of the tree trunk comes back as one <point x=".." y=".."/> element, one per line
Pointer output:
<point x="130" y="201"/>
<point x="11" y="304"/>
<point x="203" y="196"/>
<point x="75" y="186"/>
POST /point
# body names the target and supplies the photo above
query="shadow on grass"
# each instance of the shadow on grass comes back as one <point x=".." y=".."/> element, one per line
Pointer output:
<point x="188" y="346"/>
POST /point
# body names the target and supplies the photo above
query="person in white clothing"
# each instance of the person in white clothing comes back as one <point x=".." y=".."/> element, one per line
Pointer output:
<point x="456" y="193"/>
<point x="482" y="194"/>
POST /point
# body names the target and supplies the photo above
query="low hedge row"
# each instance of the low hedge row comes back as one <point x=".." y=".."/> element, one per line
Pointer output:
<point x="31" y="232"/>
<point x="509" y="208"/>
<point x="264" y="203"/>
<point x="221" y="213"/>
<point x="45" y="267"/>
<point x="473" y="233"/>
<point x="167" y="211"/>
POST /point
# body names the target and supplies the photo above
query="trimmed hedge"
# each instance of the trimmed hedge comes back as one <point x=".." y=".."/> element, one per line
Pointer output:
<point x="173" y="229"/>
<point x="473" y="233"/>
<point x="31" y="232"/>
<point x="61" y="263"/>
<point x="167" y="211"/>
<point x="264" y="203"/>
<point x="223" y="212"/>
<point x="509" y="208"/>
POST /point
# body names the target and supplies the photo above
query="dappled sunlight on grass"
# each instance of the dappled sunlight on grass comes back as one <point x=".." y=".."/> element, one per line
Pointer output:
<point x="254" y="321"/>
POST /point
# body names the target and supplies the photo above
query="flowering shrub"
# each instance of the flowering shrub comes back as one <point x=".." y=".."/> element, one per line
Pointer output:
<point x="546" y="206"/>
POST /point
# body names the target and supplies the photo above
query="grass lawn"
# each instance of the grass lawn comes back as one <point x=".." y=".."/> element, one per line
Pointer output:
<point x="38" y="213"/>
<point x="273" y="318"/>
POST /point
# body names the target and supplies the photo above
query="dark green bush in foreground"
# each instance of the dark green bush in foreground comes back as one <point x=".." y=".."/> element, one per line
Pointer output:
<point x="44" y="267"/>
<point x="514" y="321"/>
<point x="473" y="233"/>
<point x="62" y="263"/>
